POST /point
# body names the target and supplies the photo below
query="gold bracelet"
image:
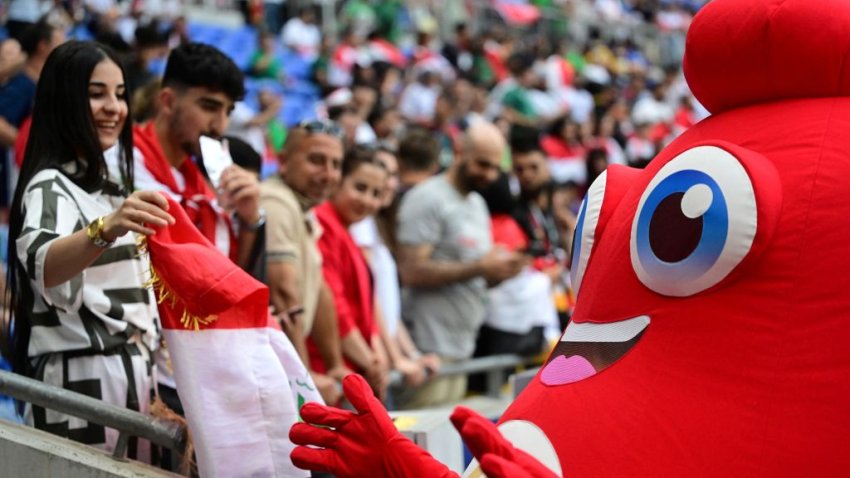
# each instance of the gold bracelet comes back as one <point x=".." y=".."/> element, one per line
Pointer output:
<point x="94" y="231"/>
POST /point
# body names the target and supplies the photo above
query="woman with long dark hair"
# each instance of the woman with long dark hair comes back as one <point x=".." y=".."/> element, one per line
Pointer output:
<point x="346" y="271"/>
<point x="83" y="318"/>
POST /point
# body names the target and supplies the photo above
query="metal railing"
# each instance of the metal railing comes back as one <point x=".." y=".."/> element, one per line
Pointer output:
<point x="128" y="422"/>
<point x="173" y="435"/>
<point x="493" y="366"/>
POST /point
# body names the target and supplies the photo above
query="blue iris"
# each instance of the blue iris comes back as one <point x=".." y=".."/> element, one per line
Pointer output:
<point x="576" y="255"/>
<point x="706" y="249"/>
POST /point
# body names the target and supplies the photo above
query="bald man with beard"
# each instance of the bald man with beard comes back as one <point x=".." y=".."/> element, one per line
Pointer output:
<point x="447" y="260"/>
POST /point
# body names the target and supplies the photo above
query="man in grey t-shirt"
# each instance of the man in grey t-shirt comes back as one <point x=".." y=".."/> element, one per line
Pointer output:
<point x="447" y="259"/>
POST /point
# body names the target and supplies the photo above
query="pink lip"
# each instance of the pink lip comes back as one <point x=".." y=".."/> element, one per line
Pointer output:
<point x="563" y="370"/>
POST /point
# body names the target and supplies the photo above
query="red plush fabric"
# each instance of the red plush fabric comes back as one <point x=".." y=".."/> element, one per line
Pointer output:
<point x="498" y="458"/>
<point x="750" y="376"/>
<point x="743" y="52"/>
<point x="363" y="443"/>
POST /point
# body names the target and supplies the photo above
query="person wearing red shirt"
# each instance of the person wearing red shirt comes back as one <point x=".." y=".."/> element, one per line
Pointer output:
<point x="345" y="269"/>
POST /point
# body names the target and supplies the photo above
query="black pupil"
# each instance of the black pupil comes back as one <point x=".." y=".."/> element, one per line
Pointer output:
<point x="672" y="235"/>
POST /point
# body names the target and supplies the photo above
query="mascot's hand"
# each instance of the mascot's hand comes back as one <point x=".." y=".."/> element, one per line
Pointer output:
<point x="357" y="445"/>
<point x="498" y="457"/>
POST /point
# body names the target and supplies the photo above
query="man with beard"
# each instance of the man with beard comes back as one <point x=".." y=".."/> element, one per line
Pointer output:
<point x="447" y="261"/>
<point x="199" y="89"/>
<point x="535" y="211"/>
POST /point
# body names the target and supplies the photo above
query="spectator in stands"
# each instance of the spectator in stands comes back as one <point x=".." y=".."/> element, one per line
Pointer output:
<point x="459" y="52"/>
<point x="419" y="99"/>
<point x="22" y="14"/>
<point x="547" y="219"/>
<point x="151" y="45"/>
<point x="271" y="104"/>
<point x="16" y="95"/>
<point x="310" y="168"/>
<point x="345" y="269"/>
<point x="517" y="104"/>
<point x="446" y="259"/>
<point x="84" y="319"/>
<point x="273" y="12"/>
<point x="264" y="62"/>
<point x="302" y="35"/>
<point x="417" y="158"/>
<point x="565" y="149"/>
<point x="11" y="59"/>
<point x="144" y="102"/>
<point x="521" y="307"/>
<point x="342" y="110"/>
<point x="373" y="235"/>
<point x="199" y="89"/>
<point x="256" y="127"/>
<point x="386" y="122"/>
<point x="447" y="126"/>
<point x="597" y="163"/>
<point x="535" y="208"/>
<point x="640" y="148"/>
<point x="344" y="57"/>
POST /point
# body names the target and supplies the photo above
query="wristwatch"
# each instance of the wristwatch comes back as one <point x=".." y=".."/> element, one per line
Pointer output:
<point x="95" y="232"/>
<point x="257" y="225"/>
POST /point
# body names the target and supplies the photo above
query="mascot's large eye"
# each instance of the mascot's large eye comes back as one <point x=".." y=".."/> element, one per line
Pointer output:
<point x="585" y="233"/>
<point x="695" y="222"/>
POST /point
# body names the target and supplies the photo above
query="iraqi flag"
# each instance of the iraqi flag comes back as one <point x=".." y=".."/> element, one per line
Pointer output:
<point x="517" y="12"/>
<point x="239" y="378"/>
<point x="382" y="50"/>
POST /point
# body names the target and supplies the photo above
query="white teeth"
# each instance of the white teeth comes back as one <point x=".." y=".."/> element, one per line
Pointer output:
<point x="621" y="331"/>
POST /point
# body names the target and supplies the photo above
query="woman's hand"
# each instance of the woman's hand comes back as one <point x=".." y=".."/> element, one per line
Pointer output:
<point x="139" y="211"/>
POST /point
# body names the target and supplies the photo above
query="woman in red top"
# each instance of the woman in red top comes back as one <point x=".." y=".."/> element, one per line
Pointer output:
<point x="346" y="271"/>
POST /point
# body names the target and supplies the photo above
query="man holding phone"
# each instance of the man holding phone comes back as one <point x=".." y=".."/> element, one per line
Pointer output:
<point x="199" y="89"/>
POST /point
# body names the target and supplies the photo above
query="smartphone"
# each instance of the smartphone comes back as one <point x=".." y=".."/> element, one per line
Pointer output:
<point x="216" y="157"/>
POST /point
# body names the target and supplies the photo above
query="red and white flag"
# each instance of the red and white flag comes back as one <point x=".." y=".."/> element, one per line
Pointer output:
<point x="517" y="12"/>
<point x="239" y="378"/>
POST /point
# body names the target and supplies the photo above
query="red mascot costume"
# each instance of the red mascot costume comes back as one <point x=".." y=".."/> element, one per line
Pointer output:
<point x="712" y="331"/>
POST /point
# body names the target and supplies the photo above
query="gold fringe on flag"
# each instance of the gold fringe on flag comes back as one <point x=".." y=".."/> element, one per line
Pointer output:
<point x="164" y="294"/>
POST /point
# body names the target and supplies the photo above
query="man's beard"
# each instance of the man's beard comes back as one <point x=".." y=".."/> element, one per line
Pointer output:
<point x="471" y="183"/>
<point x="532" y="194"/>
<point x="190" y="147"/>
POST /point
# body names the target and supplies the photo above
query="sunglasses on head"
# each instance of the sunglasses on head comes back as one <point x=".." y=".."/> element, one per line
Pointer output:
<point x="322" y="127"/>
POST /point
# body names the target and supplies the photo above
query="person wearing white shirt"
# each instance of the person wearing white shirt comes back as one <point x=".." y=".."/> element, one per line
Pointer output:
<point x="302" y="35"/>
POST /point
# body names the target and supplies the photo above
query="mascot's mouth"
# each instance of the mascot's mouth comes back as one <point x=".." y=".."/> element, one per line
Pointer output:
<point x="587" y="348"/>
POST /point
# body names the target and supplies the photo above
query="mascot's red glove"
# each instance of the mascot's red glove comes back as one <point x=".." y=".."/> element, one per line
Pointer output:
<point x="359" y="444"/>
<point x="498" y="457"/>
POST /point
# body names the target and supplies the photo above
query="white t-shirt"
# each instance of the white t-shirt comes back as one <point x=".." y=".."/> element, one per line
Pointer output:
<point x="365" y="234"/>
<point x="418" y="102"/>
<point x="304" y="38"/>
<point x="522" y="302"/>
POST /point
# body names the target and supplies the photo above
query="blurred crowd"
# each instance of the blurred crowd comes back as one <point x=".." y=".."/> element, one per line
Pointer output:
<point x="419" y="207"/>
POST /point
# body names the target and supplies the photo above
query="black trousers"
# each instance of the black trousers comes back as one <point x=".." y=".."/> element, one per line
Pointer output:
<point x="496" y="342"/>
